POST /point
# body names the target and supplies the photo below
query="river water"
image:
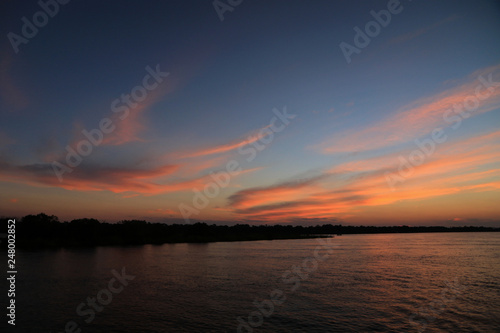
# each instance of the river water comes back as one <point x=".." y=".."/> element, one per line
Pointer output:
<point x="435" y="282"/>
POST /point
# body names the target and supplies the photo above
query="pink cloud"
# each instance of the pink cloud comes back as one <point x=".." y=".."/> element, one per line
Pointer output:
<point x="463" y="166"/>
<point x="255" y="136"/>
<point x="417" y="118"/>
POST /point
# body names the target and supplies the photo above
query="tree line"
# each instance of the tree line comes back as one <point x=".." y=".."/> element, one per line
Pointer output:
<point x="35" y="231"/>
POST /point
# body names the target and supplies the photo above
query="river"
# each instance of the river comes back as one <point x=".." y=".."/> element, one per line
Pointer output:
<point x="432" y="282"/>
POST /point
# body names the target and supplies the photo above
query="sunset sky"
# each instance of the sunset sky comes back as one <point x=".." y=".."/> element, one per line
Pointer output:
<point x="261" y="117"/>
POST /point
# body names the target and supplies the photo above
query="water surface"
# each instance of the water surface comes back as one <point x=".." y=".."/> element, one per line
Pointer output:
<point x="369" y="283"/>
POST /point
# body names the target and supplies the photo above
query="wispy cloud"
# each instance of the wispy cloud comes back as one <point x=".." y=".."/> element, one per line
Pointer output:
<point x="411" y="35"/>
<point x="93" y="178"/>
<point x="130" y="182"/>
<point x="466" y="165"/>
<point x="274" y="194"/>
<point x="223" y="148"/>
<point x="415" y="119"/>
<point x="130" y="127"/>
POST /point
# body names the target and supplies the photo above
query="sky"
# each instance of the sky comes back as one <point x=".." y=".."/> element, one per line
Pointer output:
<point x="258" y="112"/>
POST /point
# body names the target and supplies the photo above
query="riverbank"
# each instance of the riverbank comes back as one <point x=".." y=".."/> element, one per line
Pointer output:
<point x="43" y="231"/>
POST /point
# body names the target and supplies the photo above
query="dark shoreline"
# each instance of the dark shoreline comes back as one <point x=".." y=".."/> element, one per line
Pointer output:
<point x="42" y="231"/>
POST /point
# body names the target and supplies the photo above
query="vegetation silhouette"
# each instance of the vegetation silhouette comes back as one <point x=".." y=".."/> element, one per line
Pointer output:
<point x="44" y="231"/>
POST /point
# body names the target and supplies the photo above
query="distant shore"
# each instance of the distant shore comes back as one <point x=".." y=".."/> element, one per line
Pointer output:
<point x="44" y="231"/>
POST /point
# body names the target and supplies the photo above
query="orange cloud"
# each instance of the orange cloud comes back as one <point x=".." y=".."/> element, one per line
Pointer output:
<point x="418" y="118"/>
<point x="273" y="194"/>
<point x="129" y="182"/>
<point x="130" y="124"/>
<point x="456" y="167"/>
<point x="257" y="135"/>
<point x="162" y="212"/>
<point x="88" y="178"/>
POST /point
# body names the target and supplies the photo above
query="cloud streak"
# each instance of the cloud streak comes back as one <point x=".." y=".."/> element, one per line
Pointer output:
<point x="421" y="31"/>
<point x="223" y="148"/>
<point x="92" y="178"/>
<point x="418" y="118"/>
<point x="464" y="166"/>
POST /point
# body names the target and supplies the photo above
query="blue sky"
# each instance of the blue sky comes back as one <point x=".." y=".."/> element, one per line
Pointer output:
<point x="352" y="120"/>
